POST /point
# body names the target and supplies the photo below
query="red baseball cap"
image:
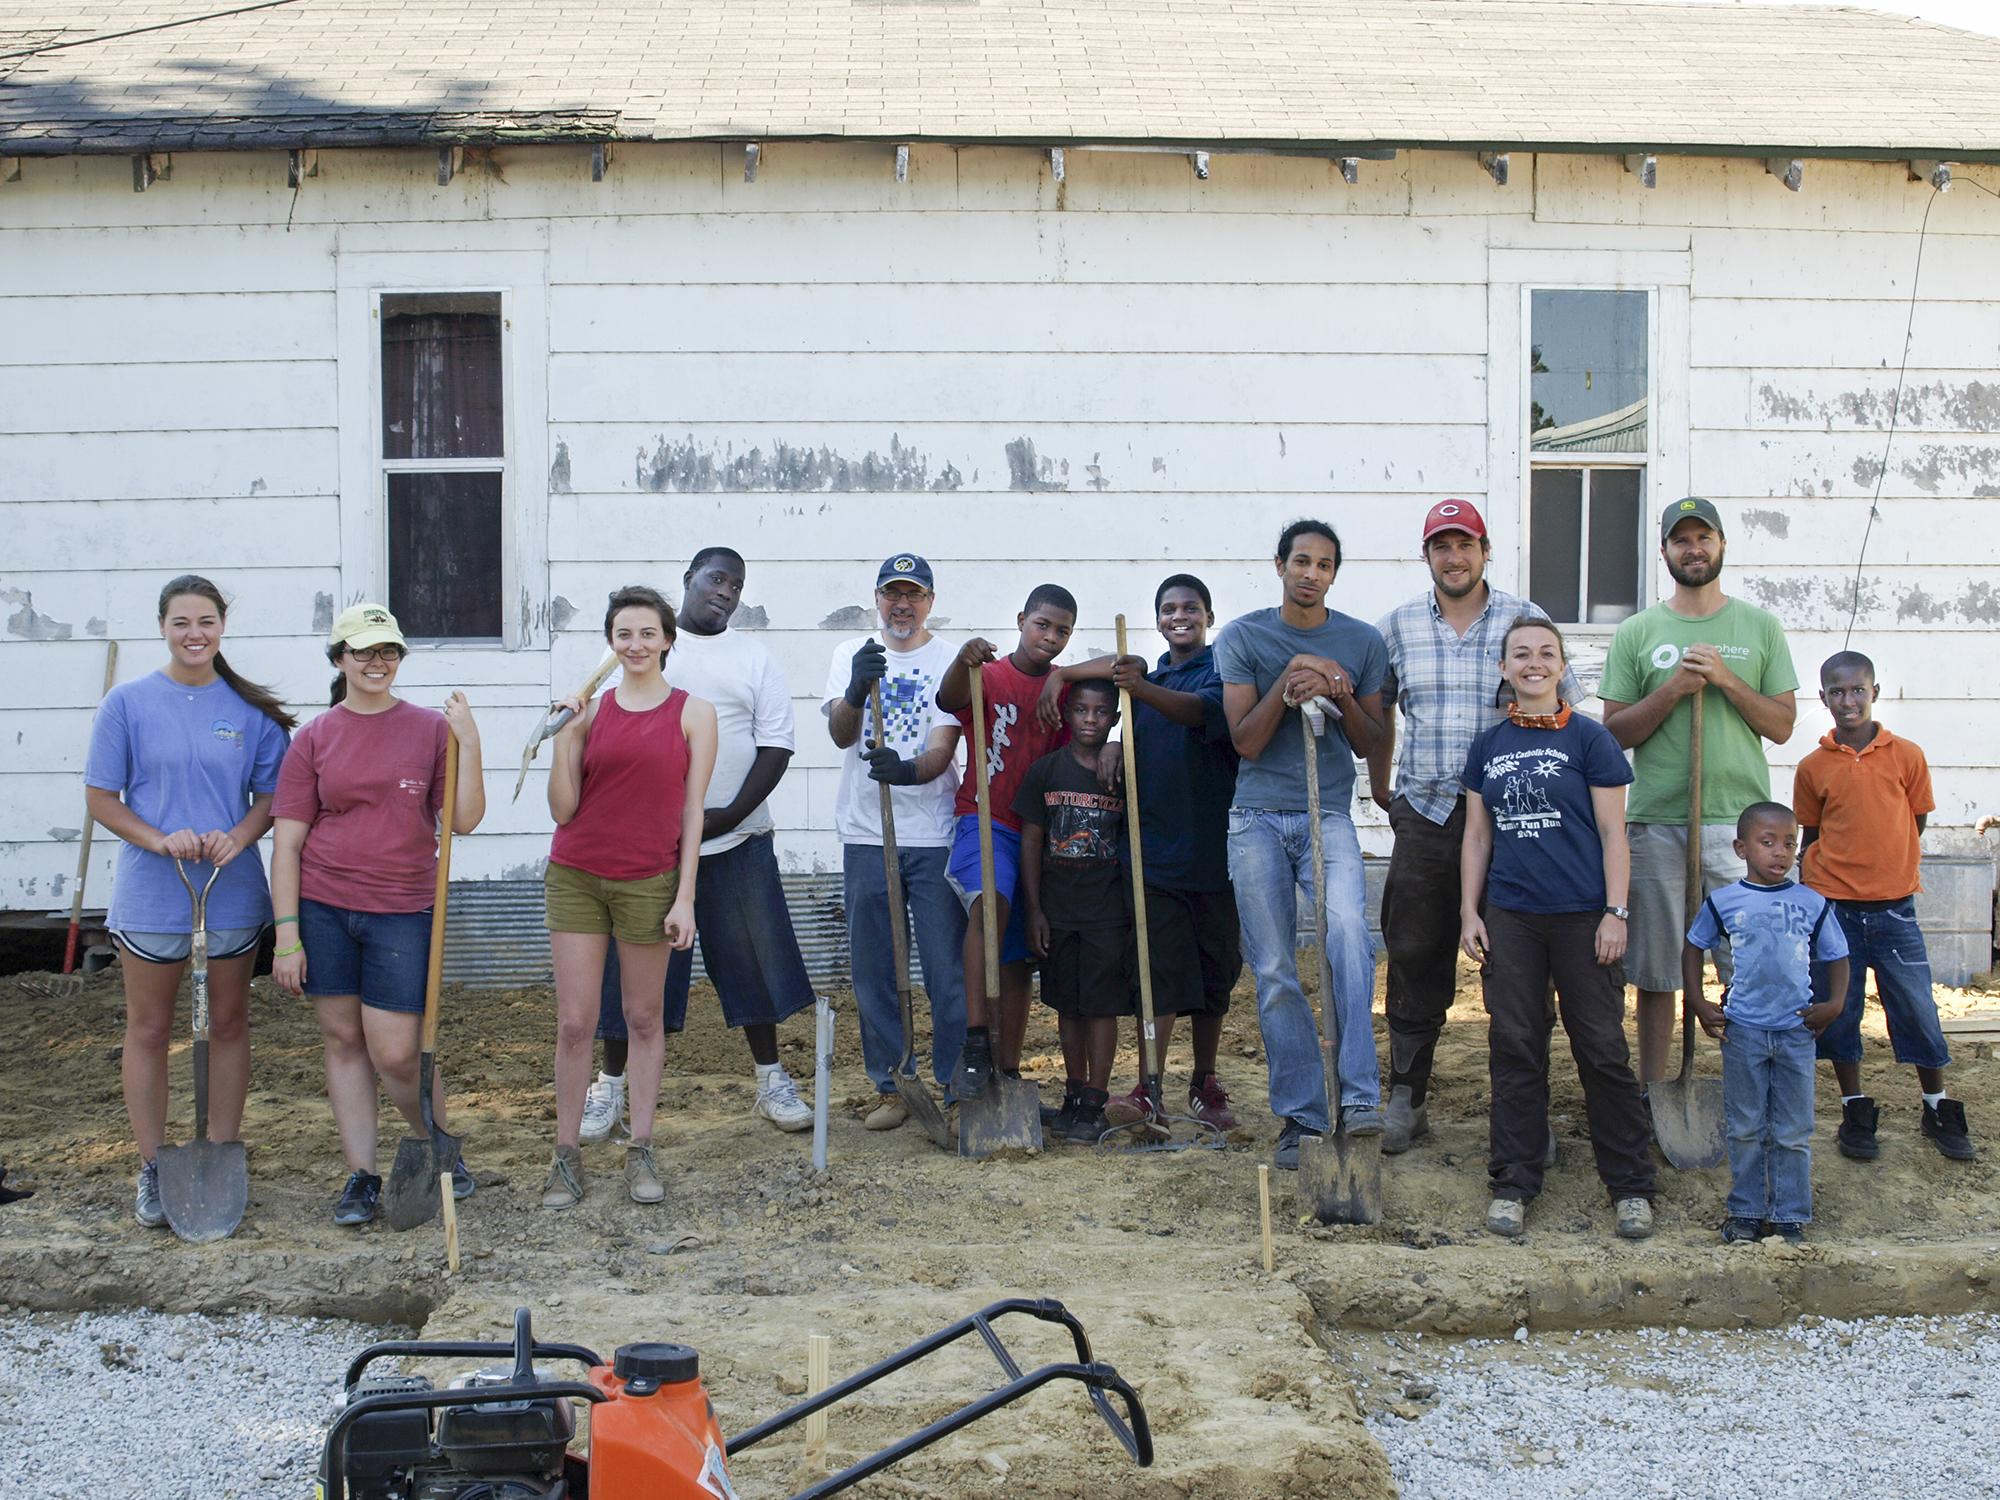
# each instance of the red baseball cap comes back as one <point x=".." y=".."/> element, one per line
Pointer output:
<point x="1453" y="515"/>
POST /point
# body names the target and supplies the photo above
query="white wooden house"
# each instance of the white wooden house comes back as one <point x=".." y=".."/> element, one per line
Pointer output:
<point x="484" y="310"/>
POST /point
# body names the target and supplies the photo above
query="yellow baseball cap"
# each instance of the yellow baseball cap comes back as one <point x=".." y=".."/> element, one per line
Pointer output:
<point x="363" y="625"/>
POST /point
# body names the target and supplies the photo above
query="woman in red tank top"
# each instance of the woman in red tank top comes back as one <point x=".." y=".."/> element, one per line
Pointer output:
<point x="626" y="786"/>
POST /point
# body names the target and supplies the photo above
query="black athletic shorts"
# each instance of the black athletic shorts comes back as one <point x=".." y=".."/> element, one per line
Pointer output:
<point x="1197" y="949"/>
<point x="1092" y="973"/>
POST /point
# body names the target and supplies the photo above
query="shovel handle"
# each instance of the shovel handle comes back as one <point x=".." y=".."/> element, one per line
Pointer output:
<point x="434" y="975"/>
<point x="1329" y="1012"/>
<point x="989" y="932"/>
<point x="1691" y="892"/>
<point x="892" y="874"/>
<point x="1149" y="1064"/>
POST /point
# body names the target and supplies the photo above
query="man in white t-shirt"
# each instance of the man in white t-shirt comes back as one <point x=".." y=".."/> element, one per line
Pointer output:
<point x="916" y="758"/>
<point x="741" y="920"/>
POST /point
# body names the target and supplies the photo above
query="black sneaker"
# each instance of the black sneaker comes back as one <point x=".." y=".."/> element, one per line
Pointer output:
<point x="1856" y="1136"/>
<point x="359" y="1200"/>
<point x="1945" y="1125"/>
<point x="1088" y="1122"/>
<point x="462" y="1180"/>
<point x="1741" y="1231"/>
<point x="1791" y="1234"/>
<point x="1057" y="1121"/>
<point x="974" y="1074"/>
<point x="1286" y="1157"/>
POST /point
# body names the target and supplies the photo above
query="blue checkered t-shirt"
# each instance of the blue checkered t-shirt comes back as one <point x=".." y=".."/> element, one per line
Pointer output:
<point x="1776" y="933"/>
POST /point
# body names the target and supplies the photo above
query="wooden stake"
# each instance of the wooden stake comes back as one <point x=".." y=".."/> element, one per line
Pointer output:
<point x="450" y="1202"/>
<point x="819" y="1357"/>
<point x="1264" y="1209"/>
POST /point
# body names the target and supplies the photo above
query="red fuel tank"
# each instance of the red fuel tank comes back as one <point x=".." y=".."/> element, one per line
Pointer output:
<point x="656" y="1437"/>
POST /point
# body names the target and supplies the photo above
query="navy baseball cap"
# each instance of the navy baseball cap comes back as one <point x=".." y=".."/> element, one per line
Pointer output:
<point x="1694" y="508"/>
<point x="907" y="566"/>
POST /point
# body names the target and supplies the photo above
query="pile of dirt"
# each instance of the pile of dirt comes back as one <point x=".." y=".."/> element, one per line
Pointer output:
<point x="1158" y="1254"/>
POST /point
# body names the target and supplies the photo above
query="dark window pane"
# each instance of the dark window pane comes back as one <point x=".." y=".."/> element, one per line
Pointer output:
<point x="444" y="555"/>
<point x="441" y="385"/>
<point x="1614" y="544"/>
<point x="1555" y="541"/>
<point x="1587" y="372"/>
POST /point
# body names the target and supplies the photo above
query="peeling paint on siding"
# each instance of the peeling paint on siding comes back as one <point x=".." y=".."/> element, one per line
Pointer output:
<point x="1097" y="480"/>
<point x="1976" y="604"/>
<point x="750" y="617"/>
<point x="1824" y="603"/>
<point x="686" y="468"/>
<point x="1026" y="472"/>
<point x="561" y="612"/>
<point x="559" y="470"/>
<point x="1972" y="407"/>
<point x="1937" y="462"/>
<point x="29" y="625"/>
<point x="322" y="614"/>
<point x="849" y="617"/>
<point x="1774" y="521"/>
<point x="65" y="835"/>
<point x="95" y="626"/>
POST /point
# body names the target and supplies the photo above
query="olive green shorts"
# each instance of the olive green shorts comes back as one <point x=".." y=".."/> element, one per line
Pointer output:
<point x="633" y="911"/>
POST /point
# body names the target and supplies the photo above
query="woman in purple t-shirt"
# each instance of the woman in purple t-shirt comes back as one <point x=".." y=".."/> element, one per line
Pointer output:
<point x="354" y="866"/>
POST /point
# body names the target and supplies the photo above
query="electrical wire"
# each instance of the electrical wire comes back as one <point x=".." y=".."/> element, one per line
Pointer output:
<point x="112" y="36"/>
<point x="1895" y="412"/>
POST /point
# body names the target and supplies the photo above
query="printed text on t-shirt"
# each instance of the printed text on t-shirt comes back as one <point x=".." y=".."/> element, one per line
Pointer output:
<point x="1523" y="808"/>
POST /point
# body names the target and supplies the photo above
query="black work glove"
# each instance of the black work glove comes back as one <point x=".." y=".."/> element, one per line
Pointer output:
<point x="886" y="766"/>
<point x="871" y="664"/>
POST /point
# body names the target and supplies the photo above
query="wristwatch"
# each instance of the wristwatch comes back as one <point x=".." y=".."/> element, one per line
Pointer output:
<point x="1621" y="913"/>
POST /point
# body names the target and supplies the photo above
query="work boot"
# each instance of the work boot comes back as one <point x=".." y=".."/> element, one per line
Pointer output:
<point x="147" y="1208"/>
<point x="1635" y="1218"/>
<point x="1856" y="1136"/>
<point x="1945" y="1125"/>
<point x="778" y="1101"/>
<point x="603" y="1109"/>
<point x="1361" y="1119"/>
<point x="358" y="1200"/>
<point x="642" y="1180"/>
<point x="975" y="1068"/>
<point x="1404" y="1121"/>
<point x="1507" y="1217"/>
<point x="564" y="1189"/>
<point x="1209" y="1100"/>
<point x="889" y="1112"/>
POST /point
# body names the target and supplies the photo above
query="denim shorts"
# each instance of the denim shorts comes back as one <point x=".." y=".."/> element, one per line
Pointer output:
<point x="747" y="943"/>
<point x="962" y="875"/>
<point x="384" y="957"/>
<point x="175" y="947"/>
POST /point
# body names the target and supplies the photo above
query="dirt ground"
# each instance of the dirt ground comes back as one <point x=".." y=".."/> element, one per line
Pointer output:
<point x="1158" y="1253"/>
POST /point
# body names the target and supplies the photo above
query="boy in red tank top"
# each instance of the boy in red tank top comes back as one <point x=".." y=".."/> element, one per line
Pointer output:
<point x="995" y="1025"/>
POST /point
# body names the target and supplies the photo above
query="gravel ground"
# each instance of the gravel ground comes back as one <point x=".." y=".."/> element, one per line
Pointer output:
<point x="1891" y="1407"/>
<point x="172" y="1408"/>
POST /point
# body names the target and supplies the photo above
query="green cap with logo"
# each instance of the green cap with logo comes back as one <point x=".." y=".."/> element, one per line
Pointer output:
<point x="1693" y="508"/>
<point x="363" y="625"/>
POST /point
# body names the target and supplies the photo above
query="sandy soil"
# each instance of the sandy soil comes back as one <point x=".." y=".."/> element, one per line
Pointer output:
<point x="1158" y="1254"/>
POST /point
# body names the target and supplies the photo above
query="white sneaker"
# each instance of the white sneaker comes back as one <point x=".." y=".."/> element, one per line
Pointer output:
<point x="778" y="1101"/>
<point x="603" y="1109"/>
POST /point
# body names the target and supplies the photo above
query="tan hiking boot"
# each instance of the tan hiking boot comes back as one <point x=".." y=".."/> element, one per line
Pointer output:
<point x="564" y="1189"/>
<point x="889" y="1112"/>
<point x="642" y="1180"/>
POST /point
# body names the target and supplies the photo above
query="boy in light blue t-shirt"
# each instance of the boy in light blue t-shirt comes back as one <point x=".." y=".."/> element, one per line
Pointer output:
<point x="1767" y="1023"/>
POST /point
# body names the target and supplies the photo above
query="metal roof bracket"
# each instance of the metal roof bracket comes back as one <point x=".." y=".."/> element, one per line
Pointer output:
<point x="750" y="155"/>
<point x="902" y="164"/>
<point x="1056" y="163"/>
<point x="450" y="159"/>
<point x="151" y="168"/>
<point x="600" y="160"/>
<point x="1495" y="163"/>
<point x="1644" y="166"/>
<point x="1350" y="170"/>
<point x="299" y="165"/>
<point x="1936" y="173"/>
<point x="1787" y="169"/>
<point x="10" y="169"/>
<point x="1200" y="161"/>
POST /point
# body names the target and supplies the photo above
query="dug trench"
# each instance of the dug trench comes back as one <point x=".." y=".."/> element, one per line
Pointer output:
<point x="1158" y="1254"/>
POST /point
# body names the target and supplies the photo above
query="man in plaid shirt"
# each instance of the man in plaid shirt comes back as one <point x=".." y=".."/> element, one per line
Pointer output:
<point x="1444" y="675"/>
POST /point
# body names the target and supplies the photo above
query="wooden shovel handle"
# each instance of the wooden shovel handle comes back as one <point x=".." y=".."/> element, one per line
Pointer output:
<point x="434" y="978"/>
<point x="1149" y="1065"/>
<point x="1692" y="894"/>
<point x="990" y="933"/>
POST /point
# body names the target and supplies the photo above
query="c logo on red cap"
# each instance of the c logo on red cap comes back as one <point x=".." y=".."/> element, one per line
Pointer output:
<point x="1447" y="509"/>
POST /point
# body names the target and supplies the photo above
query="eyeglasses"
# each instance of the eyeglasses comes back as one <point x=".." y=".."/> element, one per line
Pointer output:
<point x="390" y="654"/>
<point x="909" y="592"/>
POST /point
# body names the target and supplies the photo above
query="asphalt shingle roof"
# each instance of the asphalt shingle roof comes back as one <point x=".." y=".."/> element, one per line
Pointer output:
<point x="1308" y="74"/>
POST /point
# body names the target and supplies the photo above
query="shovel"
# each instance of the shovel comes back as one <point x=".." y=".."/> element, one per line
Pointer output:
<point x="1340" y="1175"/>
<point x="204" y="1185"/>
<point x="1687" y="1111"/>
<point x="1009" y="1113"/>
<point x="555" y="719"/>
<point x="915" y="1094"/>
<point x="1157" y="1130"/>
<point x="413" y="1194"/>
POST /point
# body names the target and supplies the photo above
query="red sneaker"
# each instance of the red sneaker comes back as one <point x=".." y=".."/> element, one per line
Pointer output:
<point x="1127" y="1109"/>
<point x="1209" y="1100"/>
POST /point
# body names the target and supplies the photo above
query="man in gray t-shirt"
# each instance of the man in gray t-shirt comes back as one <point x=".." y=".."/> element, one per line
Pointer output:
<point x="1270" y="662"/>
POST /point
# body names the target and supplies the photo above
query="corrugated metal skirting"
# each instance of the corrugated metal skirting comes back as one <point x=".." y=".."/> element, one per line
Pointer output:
<point x="494" y="937"/>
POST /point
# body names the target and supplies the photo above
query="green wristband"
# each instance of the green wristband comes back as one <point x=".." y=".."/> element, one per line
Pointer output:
<point x="281" y="921"/>
<point x="288" y="952"/>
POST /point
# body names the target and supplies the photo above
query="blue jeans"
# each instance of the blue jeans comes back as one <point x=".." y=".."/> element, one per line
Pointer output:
<point x="933" y="914"/>
<point x="1270" y="860"/>
<point x="1767" y="1100"/>
<point x="1890" y="943"/>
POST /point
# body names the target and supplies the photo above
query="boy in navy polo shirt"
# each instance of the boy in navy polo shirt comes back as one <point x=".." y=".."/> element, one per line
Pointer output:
<point x="1767" y="1023"/>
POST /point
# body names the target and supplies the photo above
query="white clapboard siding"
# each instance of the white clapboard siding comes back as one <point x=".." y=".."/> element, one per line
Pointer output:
<point x="188" y="397"/>
<point x="163" y="328"/>
<point x="1419" y="455"/>
<point x="1832" y="266"/>
<point x="1777" y="464"/>
<point x="192" y="467"/>
<point x="126" y="600"/>
<point x="186" y="535"/>
<point x="1852" y="400"/>
<point x="1932" y="601"/>
<point x="154" y="260"/>
<point x="1800" y="335"/>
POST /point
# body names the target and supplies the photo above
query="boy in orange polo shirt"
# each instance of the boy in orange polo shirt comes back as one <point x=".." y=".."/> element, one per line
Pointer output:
<point x="1861" y="800"/>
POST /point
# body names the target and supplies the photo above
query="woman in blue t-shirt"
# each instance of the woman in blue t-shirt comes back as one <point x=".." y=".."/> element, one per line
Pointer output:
<point x="194" y="750"/>
<point x="1546" y="870"/>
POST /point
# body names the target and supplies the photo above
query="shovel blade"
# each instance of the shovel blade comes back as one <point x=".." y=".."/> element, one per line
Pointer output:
<point x="1688" y="1121"/>
<point x="1007" y="1116"/>
<point x="917" y="1099"/>
<point x="204" y="1187"/>
<point x="1340" y="1178"/>
<point x="411" y="1197"/>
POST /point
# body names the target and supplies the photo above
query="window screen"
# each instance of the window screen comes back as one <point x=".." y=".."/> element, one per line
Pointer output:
<point x="444" y="554"/>
<point x="1587" y="373"/>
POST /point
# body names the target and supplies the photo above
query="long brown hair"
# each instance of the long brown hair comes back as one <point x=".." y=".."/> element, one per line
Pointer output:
<point x="259" y="697"/>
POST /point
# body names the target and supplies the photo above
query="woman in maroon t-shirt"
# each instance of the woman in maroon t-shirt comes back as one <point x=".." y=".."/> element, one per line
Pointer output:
<point x="626" y="787"/>
<point x="354" y="865"/>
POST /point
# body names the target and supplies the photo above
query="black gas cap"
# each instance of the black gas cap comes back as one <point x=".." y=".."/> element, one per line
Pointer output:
<point x="646" y="1367"/>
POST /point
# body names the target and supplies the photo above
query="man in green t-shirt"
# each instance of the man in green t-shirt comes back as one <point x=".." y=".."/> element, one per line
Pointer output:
<point x="1735" y="655"/>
